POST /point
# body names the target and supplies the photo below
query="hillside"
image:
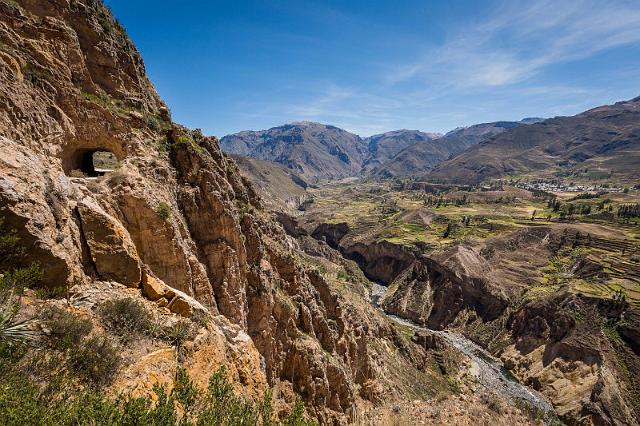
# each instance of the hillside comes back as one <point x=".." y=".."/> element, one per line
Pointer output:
<point x="313" y="151"/>
<point x="161" y="275"/>
<point x="385" y="146"/>
<point x="419" y="158"/>
<point x="278" y="187"/>
<point x="602" y="143"/>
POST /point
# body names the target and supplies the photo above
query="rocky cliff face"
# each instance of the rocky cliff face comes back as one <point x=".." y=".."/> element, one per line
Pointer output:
<point x="563" y="346"/>
<point x="71" y="82"/>
<point x="175" y="222"/>
<point x="434" y="291"/>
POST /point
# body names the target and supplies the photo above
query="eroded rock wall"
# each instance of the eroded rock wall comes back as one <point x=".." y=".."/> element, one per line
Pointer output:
<point x="579" y="352"/>
<point x="566" y="347"/>
<point x="175" y="219"/>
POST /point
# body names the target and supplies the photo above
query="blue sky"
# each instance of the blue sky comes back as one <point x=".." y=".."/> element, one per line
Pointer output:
<point x="373" y="66"/>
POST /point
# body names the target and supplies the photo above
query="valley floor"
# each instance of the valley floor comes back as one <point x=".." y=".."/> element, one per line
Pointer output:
<point x="408" y="215"/>
<point x="546" y="282"/>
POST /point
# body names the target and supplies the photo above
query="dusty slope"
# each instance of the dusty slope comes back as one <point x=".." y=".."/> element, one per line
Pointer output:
<point x="279" y="188"/>
<point x="421" y="157"/>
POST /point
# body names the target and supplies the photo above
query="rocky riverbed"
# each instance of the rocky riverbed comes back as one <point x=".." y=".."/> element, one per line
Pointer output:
<point x="487" y="370"/>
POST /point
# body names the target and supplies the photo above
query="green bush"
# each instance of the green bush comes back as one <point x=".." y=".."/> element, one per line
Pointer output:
<point x="126" y="317"/>
<point x="153" y="122"/>
<point x="59" y="292"/>
<point x="21" y="278"/>
<point x="11" y="251"/>
<point x="296" y="416"/>
<point x="65" y="329"/>
<point x="19" y="400"/>
<point x="15" y="271"/>
<point x="178" y="333"/>
<point x="22" y="401"/>
<point x="96" y="360"/>
<point x="453" y="383"/>
<point x="184" y="390"/>
<point x="163" y="211"/>
<point x="343" y="275"/>
<point x="15" y="275"/>
<point x="197" y="135"/>
<point x="223" y="407"/>
<point x="183" y="140"/>
<point x="265" y="409"/>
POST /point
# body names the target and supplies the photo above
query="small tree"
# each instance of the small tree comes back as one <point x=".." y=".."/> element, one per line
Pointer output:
<point x="576" y="241"/>
<point x="447" y="231"/>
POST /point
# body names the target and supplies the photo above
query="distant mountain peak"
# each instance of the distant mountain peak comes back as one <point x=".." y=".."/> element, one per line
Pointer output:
<point x="532" y="120"/>
<point x="384" y="146"/>
<point x="422" y="156"/>
<point x="314" y="151"/>
<point x="306" y="123"/>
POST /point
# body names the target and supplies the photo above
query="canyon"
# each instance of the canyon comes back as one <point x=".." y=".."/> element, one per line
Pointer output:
<point x="495" y="292"/>
<point x="357" y="300"/>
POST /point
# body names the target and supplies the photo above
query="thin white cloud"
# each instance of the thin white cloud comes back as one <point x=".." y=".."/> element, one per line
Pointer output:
<point x="521" y="39"/>
<point x="331" y="96"/>
<point x="367" y="113"/>
<point x="493" y="70"/>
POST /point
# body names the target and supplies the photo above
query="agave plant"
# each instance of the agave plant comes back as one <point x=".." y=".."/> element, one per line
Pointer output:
<point x="12" y="329"/>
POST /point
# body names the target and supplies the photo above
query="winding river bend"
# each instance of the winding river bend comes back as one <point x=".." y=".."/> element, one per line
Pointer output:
<point x="488" y="370"/>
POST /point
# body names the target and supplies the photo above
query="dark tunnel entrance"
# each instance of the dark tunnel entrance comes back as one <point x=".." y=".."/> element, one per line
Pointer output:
<point x="93" y="163"/>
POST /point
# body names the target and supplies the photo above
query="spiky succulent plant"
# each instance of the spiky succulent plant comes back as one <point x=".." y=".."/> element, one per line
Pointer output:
<point x="12" y="329"/>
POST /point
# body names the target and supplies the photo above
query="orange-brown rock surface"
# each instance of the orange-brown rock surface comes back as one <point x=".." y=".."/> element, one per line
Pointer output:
<point x="175" y="219"/>
<point x="177" y="226"/>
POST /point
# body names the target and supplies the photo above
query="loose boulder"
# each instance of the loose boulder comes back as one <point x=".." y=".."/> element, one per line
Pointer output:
<point x="185" y="305"/>
<point x="154" y="289"/>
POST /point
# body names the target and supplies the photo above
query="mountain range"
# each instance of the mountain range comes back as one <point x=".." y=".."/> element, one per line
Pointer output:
<point x="603" y="142"/>
<point x="422" y="156"/>
<point x="318" y="152"/>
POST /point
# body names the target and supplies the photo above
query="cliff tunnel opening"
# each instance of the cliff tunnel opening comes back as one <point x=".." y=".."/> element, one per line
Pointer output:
<point x="91" y="162"/>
